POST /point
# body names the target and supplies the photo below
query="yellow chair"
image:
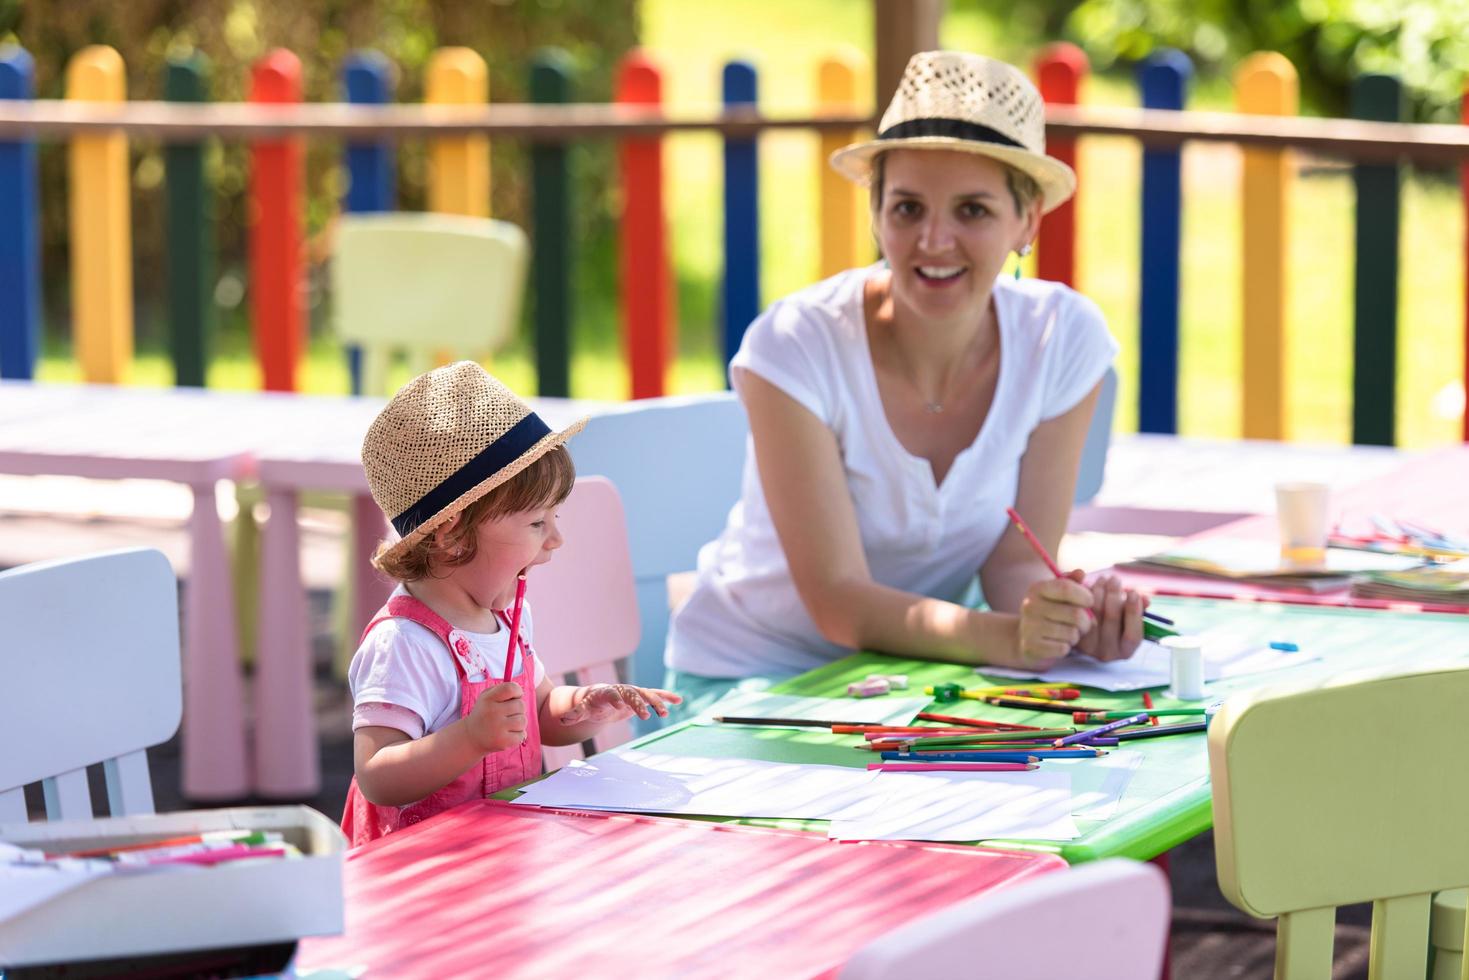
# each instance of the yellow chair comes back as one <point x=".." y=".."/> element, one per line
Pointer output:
<point x="427" y="287"/>
<point x="1336" y="793"/>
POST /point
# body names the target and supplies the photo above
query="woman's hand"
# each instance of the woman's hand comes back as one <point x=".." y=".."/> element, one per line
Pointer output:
<point x="1119" y="624"/>
<point x="602" y="703"/>
<point x="497" y="720"/>
<point x="1053" y="618"/>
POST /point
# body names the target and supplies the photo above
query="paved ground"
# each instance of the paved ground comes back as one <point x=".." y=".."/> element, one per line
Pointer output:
<point x="1210" y="938"/>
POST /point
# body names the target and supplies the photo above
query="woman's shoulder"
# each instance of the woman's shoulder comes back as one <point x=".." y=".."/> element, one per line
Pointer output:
<point x="1045" y="302"/>
<point x="822" y="308"/>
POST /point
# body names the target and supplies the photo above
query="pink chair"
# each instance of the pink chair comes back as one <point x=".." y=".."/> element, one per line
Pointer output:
<point x="586" y="604"/>
<point x="1107" y="919"/>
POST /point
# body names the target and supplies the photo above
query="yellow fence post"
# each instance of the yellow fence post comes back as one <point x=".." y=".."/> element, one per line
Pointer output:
<point x="459" y="166"/>
<point x="1265" y="84"/>
<point x="100" y="225"/>
<point x="843" y="220"/>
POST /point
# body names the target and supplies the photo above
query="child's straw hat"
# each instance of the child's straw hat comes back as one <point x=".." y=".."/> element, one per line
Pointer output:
<point x="952" y="100"/>
<point x="445" y="440"/>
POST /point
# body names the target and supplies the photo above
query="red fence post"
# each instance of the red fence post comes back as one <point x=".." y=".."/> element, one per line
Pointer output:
<point x="646" y="278"/>
<point x="1464" y="182"/>
<point x="1059" y="71"/>
<point x="276" y="177"/>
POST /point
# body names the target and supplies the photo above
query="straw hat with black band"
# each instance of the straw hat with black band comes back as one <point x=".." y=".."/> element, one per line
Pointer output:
<point x="445" y="440"/>
<point x="952" y="100"/>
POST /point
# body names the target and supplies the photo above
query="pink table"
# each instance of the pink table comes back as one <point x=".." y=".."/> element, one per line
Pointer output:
<point x="491" y="889"/>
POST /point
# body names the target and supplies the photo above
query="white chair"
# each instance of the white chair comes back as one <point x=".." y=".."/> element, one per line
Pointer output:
<point x="1106" y="919"/>
<point x="585" y="603"/>
<point x="90" y="666"/>
<point x="677" y="463"/>
<point x="1098" y="438"/>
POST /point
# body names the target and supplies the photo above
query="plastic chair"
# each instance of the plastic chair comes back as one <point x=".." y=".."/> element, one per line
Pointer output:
<point x="427" y="285"/>
<point x="585" y="602"/>
<point x="1105" y="919"/>
<point x="1333" y="793"/>
<point x="678" y="463"/>
<point x="90" y="662"/>
<point x="1098" y="438"/>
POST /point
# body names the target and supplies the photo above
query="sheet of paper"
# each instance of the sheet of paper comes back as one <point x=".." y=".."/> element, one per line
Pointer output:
<point x="25" y="885"/>
<point x="1225" y="655"/>
<point x="887" y="709"/>
<point x="965" y="806"/>
<point x="646" y="782"/>
<point x="1097" y="784"/>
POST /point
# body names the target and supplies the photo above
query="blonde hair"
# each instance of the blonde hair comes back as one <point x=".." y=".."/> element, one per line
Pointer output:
<point x="544" y="483"/>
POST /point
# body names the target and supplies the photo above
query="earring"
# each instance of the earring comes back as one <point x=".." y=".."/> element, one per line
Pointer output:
<point x="1023" y="250"/>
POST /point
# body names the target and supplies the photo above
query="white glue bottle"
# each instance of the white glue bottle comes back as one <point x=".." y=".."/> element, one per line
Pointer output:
<point x="1186" y="667"/>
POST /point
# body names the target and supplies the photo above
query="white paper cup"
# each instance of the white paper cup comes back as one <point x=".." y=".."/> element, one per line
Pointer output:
<point x="1300" y="511"/>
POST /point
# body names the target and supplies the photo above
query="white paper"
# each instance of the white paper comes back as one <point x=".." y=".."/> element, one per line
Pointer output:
<point x="1225" y="655"/>
<point x="645" y="782"/>
<point x="880" y="710"/>
<point x="965" y="806"/>
<point x="1097" y="784"/>
<point x="28" y="880"/>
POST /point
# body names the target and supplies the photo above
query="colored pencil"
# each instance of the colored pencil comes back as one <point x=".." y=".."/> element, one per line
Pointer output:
<point x="1192" y="726"/>
<point x="1138" y="719"/>
<point x="996" y="755"/>
<point x="515" y="630"/>
<point x="951" y="766"/>
<point x="1082" y="716"/>
<point x="1148" y="703"/>
<point x="900" y="730"/>
<point x="1039" y="734"/>
<point x="973" y="722"/>
<point x="1038" y="704"/>
<point x="780" y="722"/>
<point x="1041" y="551"/>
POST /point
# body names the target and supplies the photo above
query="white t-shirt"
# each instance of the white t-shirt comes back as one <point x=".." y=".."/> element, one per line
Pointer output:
<point x="406" y="666"/>
<point x="744" y="616"/>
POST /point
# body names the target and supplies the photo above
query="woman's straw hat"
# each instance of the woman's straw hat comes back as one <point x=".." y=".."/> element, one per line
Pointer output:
<point x="445" y="440"/>
<point x="951" y="100"/>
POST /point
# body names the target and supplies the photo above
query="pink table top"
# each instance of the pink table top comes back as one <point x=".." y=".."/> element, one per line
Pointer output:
<point x="493" y="889"/>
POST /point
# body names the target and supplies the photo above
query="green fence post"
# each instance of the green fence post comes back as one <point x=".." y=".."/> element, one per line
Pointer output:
<point x="1374" y="364"/>
<point x="550" y="81"/>
<point x="189" y="249"/>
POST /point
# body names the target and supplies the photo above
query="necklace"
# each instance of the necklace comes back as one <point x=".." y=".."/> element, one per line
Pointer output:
<point x="935" y="405"/>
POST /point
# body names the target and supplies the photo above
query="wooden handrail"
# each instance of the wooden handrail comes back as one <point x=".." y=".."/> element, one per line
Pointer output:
<point x="184" y="122"/>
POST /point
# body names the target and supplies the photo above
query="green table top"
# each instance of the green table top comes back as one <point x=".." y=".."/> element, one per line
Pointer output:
<point x="1167" y="801"/>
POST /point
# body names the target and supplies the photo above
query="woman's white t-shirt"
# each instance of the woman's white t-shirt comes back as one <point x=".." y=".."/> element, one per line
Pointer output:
<point x="406" y="669"/>
<point x="744" y="616"/>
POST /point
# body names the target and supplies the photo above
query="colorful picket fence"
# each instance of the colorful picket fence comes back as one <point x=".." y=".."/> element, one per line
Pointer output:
<point x="459" y="183"/>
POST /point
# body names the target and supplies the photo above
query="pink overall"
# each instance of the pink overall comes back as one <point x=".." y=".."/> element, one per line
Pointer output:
<point x="363" y="821"/>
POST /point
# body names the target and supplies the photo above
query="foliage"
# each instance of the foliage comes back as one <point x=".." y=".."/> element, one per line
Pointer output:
<point x="1330" y="42"/>
<point x="233" y="34"/>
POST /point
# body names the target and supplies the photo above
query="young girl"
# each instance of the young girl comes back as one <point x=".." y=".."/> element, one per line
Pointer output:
<point x="450" y="702"/>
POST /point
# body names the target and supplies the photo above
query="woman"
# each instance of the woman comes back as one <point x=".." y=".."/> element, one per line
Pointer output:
<point x="896" y="411"/>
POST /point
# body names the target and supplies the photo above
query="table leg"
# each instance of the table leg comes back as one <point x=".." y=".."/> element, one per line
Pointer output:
<point x="214" y="721"/>
<point x="372" y="588"/>
<point x="287" y="756"/>
<point x="1167" y="971"/>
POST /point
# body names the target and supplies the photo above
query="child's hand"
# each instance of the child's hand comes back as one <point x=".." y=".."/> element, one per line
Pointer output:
<point x="497" y="720"/>
<point x="601" y="703"/>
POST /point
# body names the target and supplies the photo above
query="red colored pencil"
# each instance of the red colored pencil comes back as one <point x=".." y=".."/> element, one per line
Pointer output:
<point x="1040" y="550"/>
<point x="976" y="722"/>
<point x="950" y="766"/>
<point x="1148" y="703"/>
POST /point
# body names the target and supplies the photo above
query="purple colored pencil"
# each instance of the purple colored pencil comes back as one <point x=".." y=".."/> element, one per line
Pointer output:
<point x="1083" y="738"/>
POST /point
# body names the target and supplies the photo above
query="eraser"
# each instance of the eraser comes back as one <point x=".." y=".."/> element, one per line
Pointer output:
<point x="868" y="688"/>
<point x="898" y="682"/>
<point x="1284" y="647"/>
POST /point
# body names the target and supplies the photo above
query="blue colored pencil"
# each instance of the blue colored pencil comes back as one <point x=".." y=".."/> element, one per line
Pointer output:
<point x="1029" y="755"/>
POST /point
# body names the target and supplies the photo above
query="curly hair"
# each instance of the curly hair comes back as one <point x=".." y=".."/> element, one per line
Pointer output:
<point x="544" y="483"/>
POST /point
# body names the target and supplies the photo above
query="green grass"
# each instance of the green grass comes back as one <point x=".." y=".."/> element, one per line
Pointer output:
<point x="785" y="41"/>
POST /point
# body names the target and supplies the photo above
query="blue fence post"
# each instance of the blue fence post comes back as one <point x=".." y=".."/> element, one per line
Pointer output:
<point x="741" y="214"/>
<point x="20" y="231"/>
<point x="1163" y="79"/>
<point x="367" y="77"/>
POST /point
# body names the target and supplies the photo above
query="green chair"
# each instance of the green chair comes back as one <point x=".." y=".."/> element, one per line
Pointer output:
<point x="427" y="288"/>
<point x="1336" y="793"/>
